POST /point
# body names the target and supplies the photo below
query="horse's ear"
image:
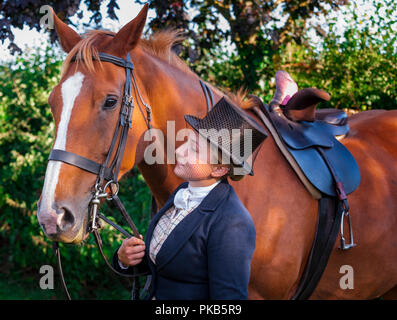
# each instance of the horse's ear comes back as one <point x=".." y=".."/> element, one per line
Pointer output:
<point x="302" y="105"/>
<point x="68" y="38"/>
<point x="127" y="38"/>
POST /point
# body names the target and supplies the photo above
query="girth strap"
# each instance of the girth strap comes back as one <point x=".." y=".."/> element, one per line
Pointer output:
<point x="330" y="212"/>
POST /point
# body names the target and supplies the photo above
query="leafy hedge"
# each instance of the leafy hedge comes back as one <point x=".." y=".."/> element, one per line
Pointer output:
<point x="358" y="67"/>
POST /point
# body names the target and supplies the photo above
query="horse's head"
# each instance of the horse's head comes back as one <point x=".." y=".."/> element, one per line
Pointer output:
<point x="85" y="106"/>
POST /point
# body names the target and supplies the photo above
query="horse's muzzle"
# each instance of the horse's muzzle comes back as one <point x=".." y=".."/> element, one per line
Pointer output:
<point x="59" y="224"/>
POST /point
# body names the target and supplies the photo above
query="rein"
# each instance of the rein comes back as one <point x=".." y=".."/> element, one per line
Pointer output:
<point x="108" y="173"/>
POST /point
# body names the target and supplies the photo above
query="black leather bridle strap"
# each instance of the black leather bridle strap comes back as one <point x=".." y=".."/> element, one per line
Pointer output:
<point x="79" y="161"/>
<point x="98" y="241"/>
<point x="125" y="120"/>
<point x="112" y="59"/>
<point x="55" y="247"/>
<point x="209" y="97"/>
<point x="127" y="64"/>
<point x="116" y="226"/>
<point x="116" y="200"/>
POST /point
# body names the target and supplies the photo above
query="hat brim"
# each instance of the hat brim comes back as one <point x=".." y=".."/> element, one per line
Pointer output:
<point x="193" y="122"/>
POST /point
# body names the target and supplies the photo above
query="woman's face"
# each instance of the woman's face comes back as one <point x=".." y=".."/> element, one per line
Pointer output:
<point x="193" y="160"/>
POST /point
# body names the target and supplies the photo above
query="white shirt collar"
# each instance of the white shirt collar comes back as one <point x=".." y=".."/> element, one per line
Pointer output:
<point x="202" y="190"/>
<point x="187" y="198"/>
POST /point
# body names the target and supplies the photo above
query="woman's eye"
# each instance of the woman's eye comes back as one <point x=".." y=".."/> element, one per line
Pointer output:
<point x="110" y="103"/>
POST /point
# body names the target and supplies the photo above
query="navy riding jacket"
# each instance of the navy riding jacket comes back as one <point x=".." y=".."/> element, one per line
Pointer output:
<point x="207" y="255"/>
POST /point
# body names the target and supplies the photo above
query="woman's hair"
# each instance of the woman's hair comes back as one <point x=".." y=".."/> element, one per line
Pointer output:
<point x="232" y="176"/>
<point x="216" y="159"/>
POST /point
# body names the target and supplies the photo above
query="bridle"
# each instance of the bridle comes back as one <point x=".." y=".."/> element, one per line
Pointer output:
<point x="108" y="173"/>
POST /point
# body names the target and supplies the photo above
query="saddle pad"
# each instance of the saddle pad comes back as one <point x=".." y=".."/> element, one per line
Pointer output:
<point x="301" y="140"/>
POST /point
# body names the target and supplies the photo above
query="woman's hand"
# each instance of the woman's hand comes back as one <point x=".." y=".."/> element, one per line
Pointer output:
<point x="131" y="251"/>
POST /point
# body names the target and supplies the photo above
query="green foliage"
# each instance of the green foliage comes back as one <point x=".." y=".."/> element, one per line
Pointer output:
<point x="26" y="137"/>
<point x="358" y="68"/>
<point x="255" y="28"/>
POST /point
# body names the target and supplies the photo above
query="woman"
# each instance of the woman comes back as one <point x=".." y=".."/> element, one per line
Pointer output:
<point x="200" y="244"/>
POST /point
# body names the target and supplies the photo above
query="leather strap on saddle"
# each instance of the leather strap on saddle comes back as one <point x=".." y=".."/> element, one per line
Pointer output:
<point x="330" y="212"/>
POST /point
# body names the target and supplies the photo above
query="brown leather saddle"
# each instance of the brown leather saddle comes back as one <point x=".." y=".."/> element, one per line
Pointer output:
<point x="306" y="137"/>
<point x="309" y="136"/>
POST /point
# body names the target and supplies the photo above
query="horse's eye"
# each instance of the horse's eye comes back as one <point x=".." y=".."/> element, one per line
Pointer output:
<point x="110" y="103"/>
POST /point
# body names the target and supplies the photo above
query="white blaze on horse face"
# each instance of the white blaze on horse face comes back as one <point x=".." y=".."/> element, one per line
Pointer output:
<point x="70" y="90"/>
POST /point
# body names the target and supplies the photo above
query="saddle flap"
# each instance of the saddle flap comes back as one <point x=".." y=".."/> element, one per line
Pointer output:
<point x="317" y="172"/>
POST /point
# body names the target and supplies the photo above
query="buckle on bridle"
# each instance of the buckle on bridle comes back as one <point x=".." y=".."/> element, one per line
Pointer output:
<point x="126" y="112"/>
<point x="112" y="194"/>
<point x="94" y="208"/>
<point x="95" y="201"/>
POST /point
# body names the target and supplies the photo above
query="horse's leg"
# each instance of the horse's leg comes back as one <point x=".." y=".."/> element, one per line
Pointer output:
<point x="391" y="294"/>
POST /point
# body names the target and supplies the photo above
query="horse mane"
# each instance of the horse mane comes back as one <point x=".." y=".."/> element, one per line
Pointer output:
<point x="159" y="44"/>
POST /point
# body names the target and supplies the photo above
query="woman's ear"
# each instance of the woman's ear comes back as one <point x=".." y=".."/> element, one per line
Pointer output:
<point x="219" y="171"/>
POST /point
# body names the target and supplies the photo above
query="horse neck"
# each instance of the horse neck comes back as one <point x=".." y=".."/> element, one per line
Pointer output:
<point x="171" y="93"/>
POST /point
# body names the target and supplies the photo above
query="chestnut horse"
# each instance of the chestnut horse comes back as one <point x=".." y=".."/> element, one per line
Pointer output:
<point x="282" y="209"/>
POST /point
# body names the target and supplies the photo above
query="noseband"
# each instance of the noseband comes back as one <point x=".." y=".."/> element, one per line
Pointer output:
<point x="105" y="172"/>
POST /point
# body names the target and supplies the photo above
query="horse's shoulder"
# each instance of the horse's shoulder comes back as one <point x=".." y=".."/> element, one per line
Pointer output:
<point x="232" y="208"/>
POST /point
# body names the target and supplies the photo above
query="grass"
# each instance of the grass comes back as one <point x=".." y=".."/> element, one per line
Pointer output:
<point x="27" y="288"/>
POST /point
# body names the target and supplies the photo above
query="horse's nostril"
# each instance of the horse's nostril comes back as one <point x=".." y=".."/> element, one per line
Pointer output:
<point x="66" y="220"/>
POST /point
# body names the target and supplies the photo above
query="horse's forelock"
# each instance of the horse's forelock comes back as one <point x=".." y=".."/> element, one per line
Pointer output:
<point x="85" y="51"/>
<point x="159" y="45"/>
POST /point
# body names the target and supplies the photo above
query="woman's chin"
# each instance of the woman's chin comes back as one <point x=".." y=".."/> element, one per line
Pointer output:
<point x="179" y="172"/>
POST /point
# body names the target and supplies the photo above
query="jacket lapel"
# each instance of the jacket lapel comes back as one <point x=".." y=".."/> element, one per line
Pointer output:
<point x="186" y="227"/>
<point x="159" y="214"/>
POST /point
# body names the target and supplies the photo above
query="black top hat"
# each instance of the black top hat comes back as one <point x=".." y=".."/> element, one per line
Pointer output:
<point x="233" y="131"/>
